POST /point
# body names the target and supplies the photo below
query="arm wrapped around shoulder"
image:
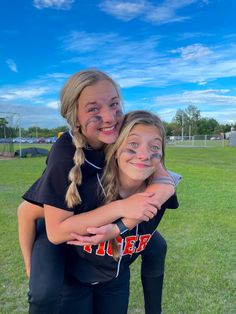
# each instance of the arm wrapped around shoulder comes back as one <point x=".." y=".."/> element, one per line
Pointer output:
<point x="173" y="178"/>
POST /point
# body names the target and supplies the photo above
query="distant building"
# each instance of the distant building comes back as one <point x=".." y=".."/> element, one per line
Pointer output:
<point x="232" y="138"/>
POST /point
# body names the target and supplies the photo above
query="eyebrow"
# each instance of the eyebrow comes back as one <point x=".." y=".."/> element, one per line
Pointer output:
<point x="155" y="139"/>
<point x="95" y="102"/>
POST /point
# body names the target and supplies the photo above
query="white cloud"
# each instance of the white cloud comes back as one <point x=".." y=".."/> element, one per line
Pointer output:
<point x="26" y="93"/>
<point x="54" y="4"/>
<point x="54" y="104"/>
<point x="28" y="116"/>
<point x="142" y="62"/>
<point x="218" y="104"/>
<point x="36" y="101"/>
<point x="193" y="52"/>
<point x="198" y="97"/>
<point x="12" y="65"/>
<point x="125" y="11"/>
<point x="165" y="12"/>
<point x="41" y="93"/>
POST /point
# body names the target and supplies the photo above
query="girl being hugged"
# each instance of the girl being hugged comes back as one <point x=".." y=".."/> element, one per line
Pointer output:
<point x="91" y="104"/>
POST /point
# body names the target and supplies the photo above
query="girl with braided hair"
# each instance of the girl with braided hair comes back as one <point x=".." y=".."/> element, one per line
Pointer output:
<point x="91" y="104"/>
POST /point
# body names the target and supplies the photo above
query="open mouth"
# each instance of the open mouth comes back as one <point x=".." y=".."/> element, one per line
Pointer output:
<point x="108" y="130"/>
<point x="140" y="165"/>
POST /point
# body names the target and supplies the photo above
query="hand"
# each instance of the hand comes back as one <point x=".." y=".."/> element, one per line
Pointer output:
<point x="140" y="206"/>
<point x="98" y="235"/>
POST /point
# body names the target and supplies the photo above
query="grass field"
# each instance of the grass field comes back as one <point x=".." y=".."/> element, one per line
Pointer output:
<point x="200" y="272"/>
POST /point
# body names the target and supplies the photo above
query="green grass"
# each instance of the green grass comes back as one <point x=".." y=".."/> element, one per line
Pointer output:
<point x="200" y="272"/>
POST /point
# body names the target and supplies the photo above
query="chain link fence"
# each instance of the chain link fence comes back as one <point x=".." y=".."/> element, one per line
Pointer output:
<point x="197" y="141"/>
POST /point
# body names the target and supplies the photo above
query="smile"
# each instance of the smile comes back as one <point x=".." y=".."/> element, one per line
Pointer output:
<point x="140" y="165"/>
<point x="107" y="129"/>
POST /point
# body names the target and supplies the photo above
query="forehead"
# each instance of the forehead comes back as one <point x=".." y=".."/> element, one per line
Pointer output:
<point x="103" y="90"/>
<point x="145" y="131"/>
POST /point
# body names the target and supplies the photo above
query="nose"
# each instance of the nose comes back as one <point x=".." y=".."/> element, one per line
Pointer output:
<point x="143" y="153"/>
<point x="108" y="115"/>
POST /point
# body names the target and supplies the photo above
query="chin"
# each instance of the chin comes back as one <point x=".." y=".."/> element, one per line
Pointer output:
<point x="139" y="178"/>
<point x="109" y="139"/>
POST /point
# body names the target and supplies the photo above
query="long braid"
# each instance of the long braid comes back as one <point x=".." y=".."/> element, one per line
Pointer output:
<point x="75" y="175"/>
<point x="70" y="94"/>
<point x="111" y="189"/>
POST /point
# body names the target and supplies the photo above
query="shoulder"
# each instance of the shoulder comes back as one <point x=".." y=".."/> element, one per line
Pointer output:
<point x="62" y="149"/>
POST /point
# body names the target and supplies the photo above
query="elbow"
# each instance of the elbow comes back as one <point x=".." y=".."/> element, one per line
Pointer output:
<point x="54" y="238"/>
<point x="54" y="235"/>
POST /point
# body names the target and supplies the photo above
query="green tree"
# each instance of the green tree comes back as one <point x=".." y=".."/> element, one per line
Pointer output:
<point x="3" y="127"/>
<point x="208" y="126"/>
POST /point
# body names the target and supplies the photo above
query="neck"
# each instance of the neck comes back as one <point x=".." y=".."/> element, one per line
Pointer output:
<point x="130" y="187"/>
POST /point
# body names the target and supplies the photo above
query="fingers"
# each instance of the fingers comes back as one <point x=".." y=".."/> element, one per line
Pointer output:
<point x="148" y="215"/>
<point x="149" y="212"/>
<point x="80" y="238"/>
<point x="85" y="240"/>
<point x="94" y="230"/>
<point x="154" y="203"/>
<point x="76" y="242"/>
<point x="81" y="243"/>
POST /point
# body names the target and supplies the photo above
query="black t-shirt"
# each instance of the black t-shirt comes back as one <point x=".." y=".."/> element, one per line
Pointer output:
<point x="97" y="263"/>
<point x="88" y="264"/>
<point x="52" y="186"/>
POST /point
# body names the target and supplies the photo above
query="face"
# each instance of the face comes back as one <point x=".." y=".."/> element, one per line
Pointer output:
<point x="140" y="154"/>
<point x="99" y="113"/>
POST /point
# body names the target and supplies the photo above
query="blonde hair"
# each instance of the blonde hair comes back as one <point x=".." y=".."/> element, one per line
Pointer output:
<point x="70" y="94"/>
<point x="110" y="179"/>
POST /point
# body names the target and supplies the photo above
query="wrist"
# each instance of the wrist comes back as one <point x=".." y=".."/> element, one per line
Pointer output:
<point x="116" y="230"/>
<point x="121" y="226"/>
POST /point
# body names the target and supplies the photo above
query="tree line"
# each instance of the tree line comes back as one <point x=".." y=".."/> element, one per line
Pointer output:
<point x="186" y="122"/>
<point x="189" y="122"/>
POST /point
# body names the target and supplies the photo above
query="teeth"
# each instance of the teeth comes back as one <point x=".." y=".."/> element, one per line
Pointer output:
<point x="108" y="129"/>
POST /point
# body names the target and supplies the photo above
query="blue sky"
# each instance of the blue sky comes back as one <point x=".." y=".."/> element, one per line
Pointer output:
<point x="165" y="54"/>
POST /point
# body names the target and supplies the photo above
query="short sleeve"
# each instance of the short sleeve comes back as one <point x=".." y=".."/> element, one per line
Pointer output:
<point x="175" y="176"/>
<point x="52" y="186"/>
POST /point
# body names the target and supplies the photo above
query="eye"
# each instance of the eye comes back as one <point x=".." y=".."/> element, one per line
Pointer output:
<point x="155" y="148"/>
<point x="115" y="104"/>
<point x="133" y="144"/>
<point x="93" y="109"/>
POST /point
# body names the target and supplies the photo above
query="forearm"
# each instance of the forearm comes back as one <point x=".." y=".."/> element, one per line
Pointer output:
<point x="60" y="224"/>
<point x="26" y="240"/>
<point x="162" y="192"/>
<point x="27" y="216"/>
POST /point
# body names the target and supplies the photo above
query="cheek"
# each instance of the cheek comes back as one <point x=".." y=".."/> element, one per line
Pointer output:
<point x="156" y="161"/>
<point x="128" y="151"/>
<point x="122" y="157"/>
<point x="156" y="156"/>
<point x="92" y="121"/>
<point x="119" y="116"/>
